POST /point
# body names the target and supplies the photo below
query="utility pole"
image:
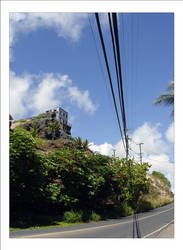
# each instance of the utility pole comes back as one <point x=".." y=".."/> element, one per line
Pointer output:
<point x="127" y="141"/>
<point x="140" y="151"/>
<point x="127" y="144"/>
<point x="114" y="151"/>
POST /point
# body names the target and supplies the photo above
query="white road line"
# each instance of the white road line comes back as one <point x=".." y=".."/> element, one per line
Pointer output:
<point x="90" y="228"/>
<point x="147" y="235"/>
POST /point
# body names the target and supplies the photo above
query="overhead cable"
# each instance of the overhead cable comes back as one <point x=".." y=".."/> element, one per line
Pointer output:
<point x="115" y="26"/>
<point x="109" y="74"/>
<point x="115" y="60"/>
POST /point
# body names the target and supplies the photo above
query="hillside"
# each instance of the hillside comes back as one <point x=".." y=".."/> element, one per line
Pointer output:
<point x="159" y="194"/>
<point x="48" y="164"/>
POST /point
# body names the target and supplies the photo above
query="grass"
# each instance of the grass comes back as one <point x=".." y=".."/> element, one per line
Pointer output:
<point x="56" y="224"/>
<point x="69" y="218"/>
<point x="36" y="118"/>
<point x="20" y="120"/>
<point x="152" y="201"/>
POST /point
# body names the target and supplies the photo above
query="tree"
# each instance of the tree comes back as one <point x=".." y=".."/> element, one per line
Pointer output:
<point x="85" y="144"/>
<point x="35" y="131"/>
<point x="80" y="144"/>
<point x="27" y="176"/>
<point x="167" y="99"/>
<point x="54" y="127"/>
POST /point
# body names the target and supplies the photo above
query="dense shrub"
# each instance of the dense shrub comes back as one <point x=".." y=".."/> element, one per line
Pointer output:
<point x="72" y="216"/>
<point x="125" y="209"/>
<point x="28" y="177"/>
<point x="95" y="217"/>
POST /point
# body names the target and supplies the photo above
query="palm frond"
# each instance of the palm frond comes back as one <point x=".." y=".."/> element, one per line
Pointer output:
<point x="166" y="99"/>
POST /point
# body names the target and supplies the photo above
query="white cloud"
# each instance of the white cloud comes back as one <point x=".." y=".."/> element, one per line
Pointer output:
<point x="66" y="25"/>
<point x="43" y="97"/>
<point x="82" y="99"/>
<point x="155" y="150"/>
<point x="105" y="149"/>
<point x="19" y="88"/>
<point x="32" y="94"/>
<point x="152" y="139"/>
<point x="170" y="133"/>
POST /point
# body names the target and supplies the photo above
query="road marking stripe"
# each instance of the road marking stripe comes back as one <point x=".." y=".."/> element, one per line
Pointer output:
<point x="92" y="228"/>
<point x="147" y="235"/>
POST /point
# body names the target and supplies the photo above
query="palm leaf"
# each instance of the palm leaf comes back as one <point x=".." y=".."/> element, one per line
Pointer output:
<point x="167" y="99"/>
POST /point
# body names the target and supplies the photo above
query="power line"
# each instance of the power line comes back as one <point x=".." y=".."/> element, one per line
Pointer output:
<point x="99" y="59"/>
<point x="115" y="59"/>
<point x="115" y="27"/>
<point x="109" y="75"/>
<point x="98" y="55"/>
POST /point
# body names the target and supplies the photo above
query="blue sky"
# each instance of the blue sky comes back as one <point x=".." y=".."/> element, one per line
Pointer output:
<point x="54" y="62"/>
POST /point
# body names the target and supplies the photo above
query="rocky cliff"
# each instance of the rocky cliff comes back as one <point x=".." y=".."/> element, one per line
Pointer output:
<point x="46" y="126"/>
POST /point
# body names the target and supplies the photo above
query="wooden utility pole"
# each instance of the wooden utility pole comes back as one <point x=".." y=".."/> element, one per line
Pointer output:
<point x="140" y="151"/>
<point x="114" y="151"/>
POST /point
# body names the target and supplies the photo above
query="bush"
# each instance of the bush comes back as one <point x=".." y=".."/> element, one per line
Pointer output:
<point x="145" y="205"/>
<point x="125" y="209"/>
<point x="72" y="217"/>
<point x="95" y="217"/>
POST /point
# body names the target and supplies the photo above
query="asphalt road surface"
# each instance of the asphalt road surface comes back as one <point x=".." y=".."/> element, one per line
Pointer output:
<point x="150" y="223"/>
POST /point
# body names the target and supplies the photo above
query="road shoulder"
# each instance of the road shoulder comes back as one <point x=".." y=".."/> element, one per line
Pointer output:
<point x="166" y="232"/>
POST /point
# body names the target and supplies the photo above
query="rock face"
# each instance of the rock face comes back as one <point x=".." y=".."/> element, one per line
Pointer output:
<point x="159" y="187"/>
<point x="43" y="126"/>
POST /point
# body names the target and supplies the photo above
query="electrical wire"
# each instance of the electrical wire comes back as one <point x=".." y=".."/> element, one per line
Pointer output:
<point x="100" y="63"/>
<point x="109" y="74"/>
<point x="115" y="27"/>
<point x="115" y="59"/>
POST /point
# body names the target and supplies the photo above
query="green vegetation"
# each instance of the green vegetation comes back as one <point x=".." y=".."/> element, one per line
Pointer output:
<point x="162" y="178"/>
<point x="95" y="217"/>
<point x="68" y="185"/>
<point x="72" y="217"/>
<point x="35" y="131"/>
<point x="42" y="115"/>
<point x="54" y="127"/>
<point x="153" y="200"/>
<point x="167" y="99"/>
<point x="80" y="144"/>
<point x="53" y="225"/>
<point x="20" y="120"/>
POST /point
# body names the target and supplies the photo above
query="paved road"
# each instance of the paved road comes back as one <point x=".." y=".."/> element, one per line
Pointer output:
<point x="150" y="223"/>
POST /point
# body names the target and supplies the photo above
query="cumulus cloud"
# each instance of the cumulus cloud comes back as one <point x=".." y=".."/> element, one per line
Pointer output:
<point x="66" y="25"/>
<point x="19" y="93"/>
<point x="32" y="94"/>
<point x="104" y="149"/>
<point x="170" y="133"/>
<point x="151" y="137"/>
<point x="155" y="150"/>
<point x="82" y="99"/>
